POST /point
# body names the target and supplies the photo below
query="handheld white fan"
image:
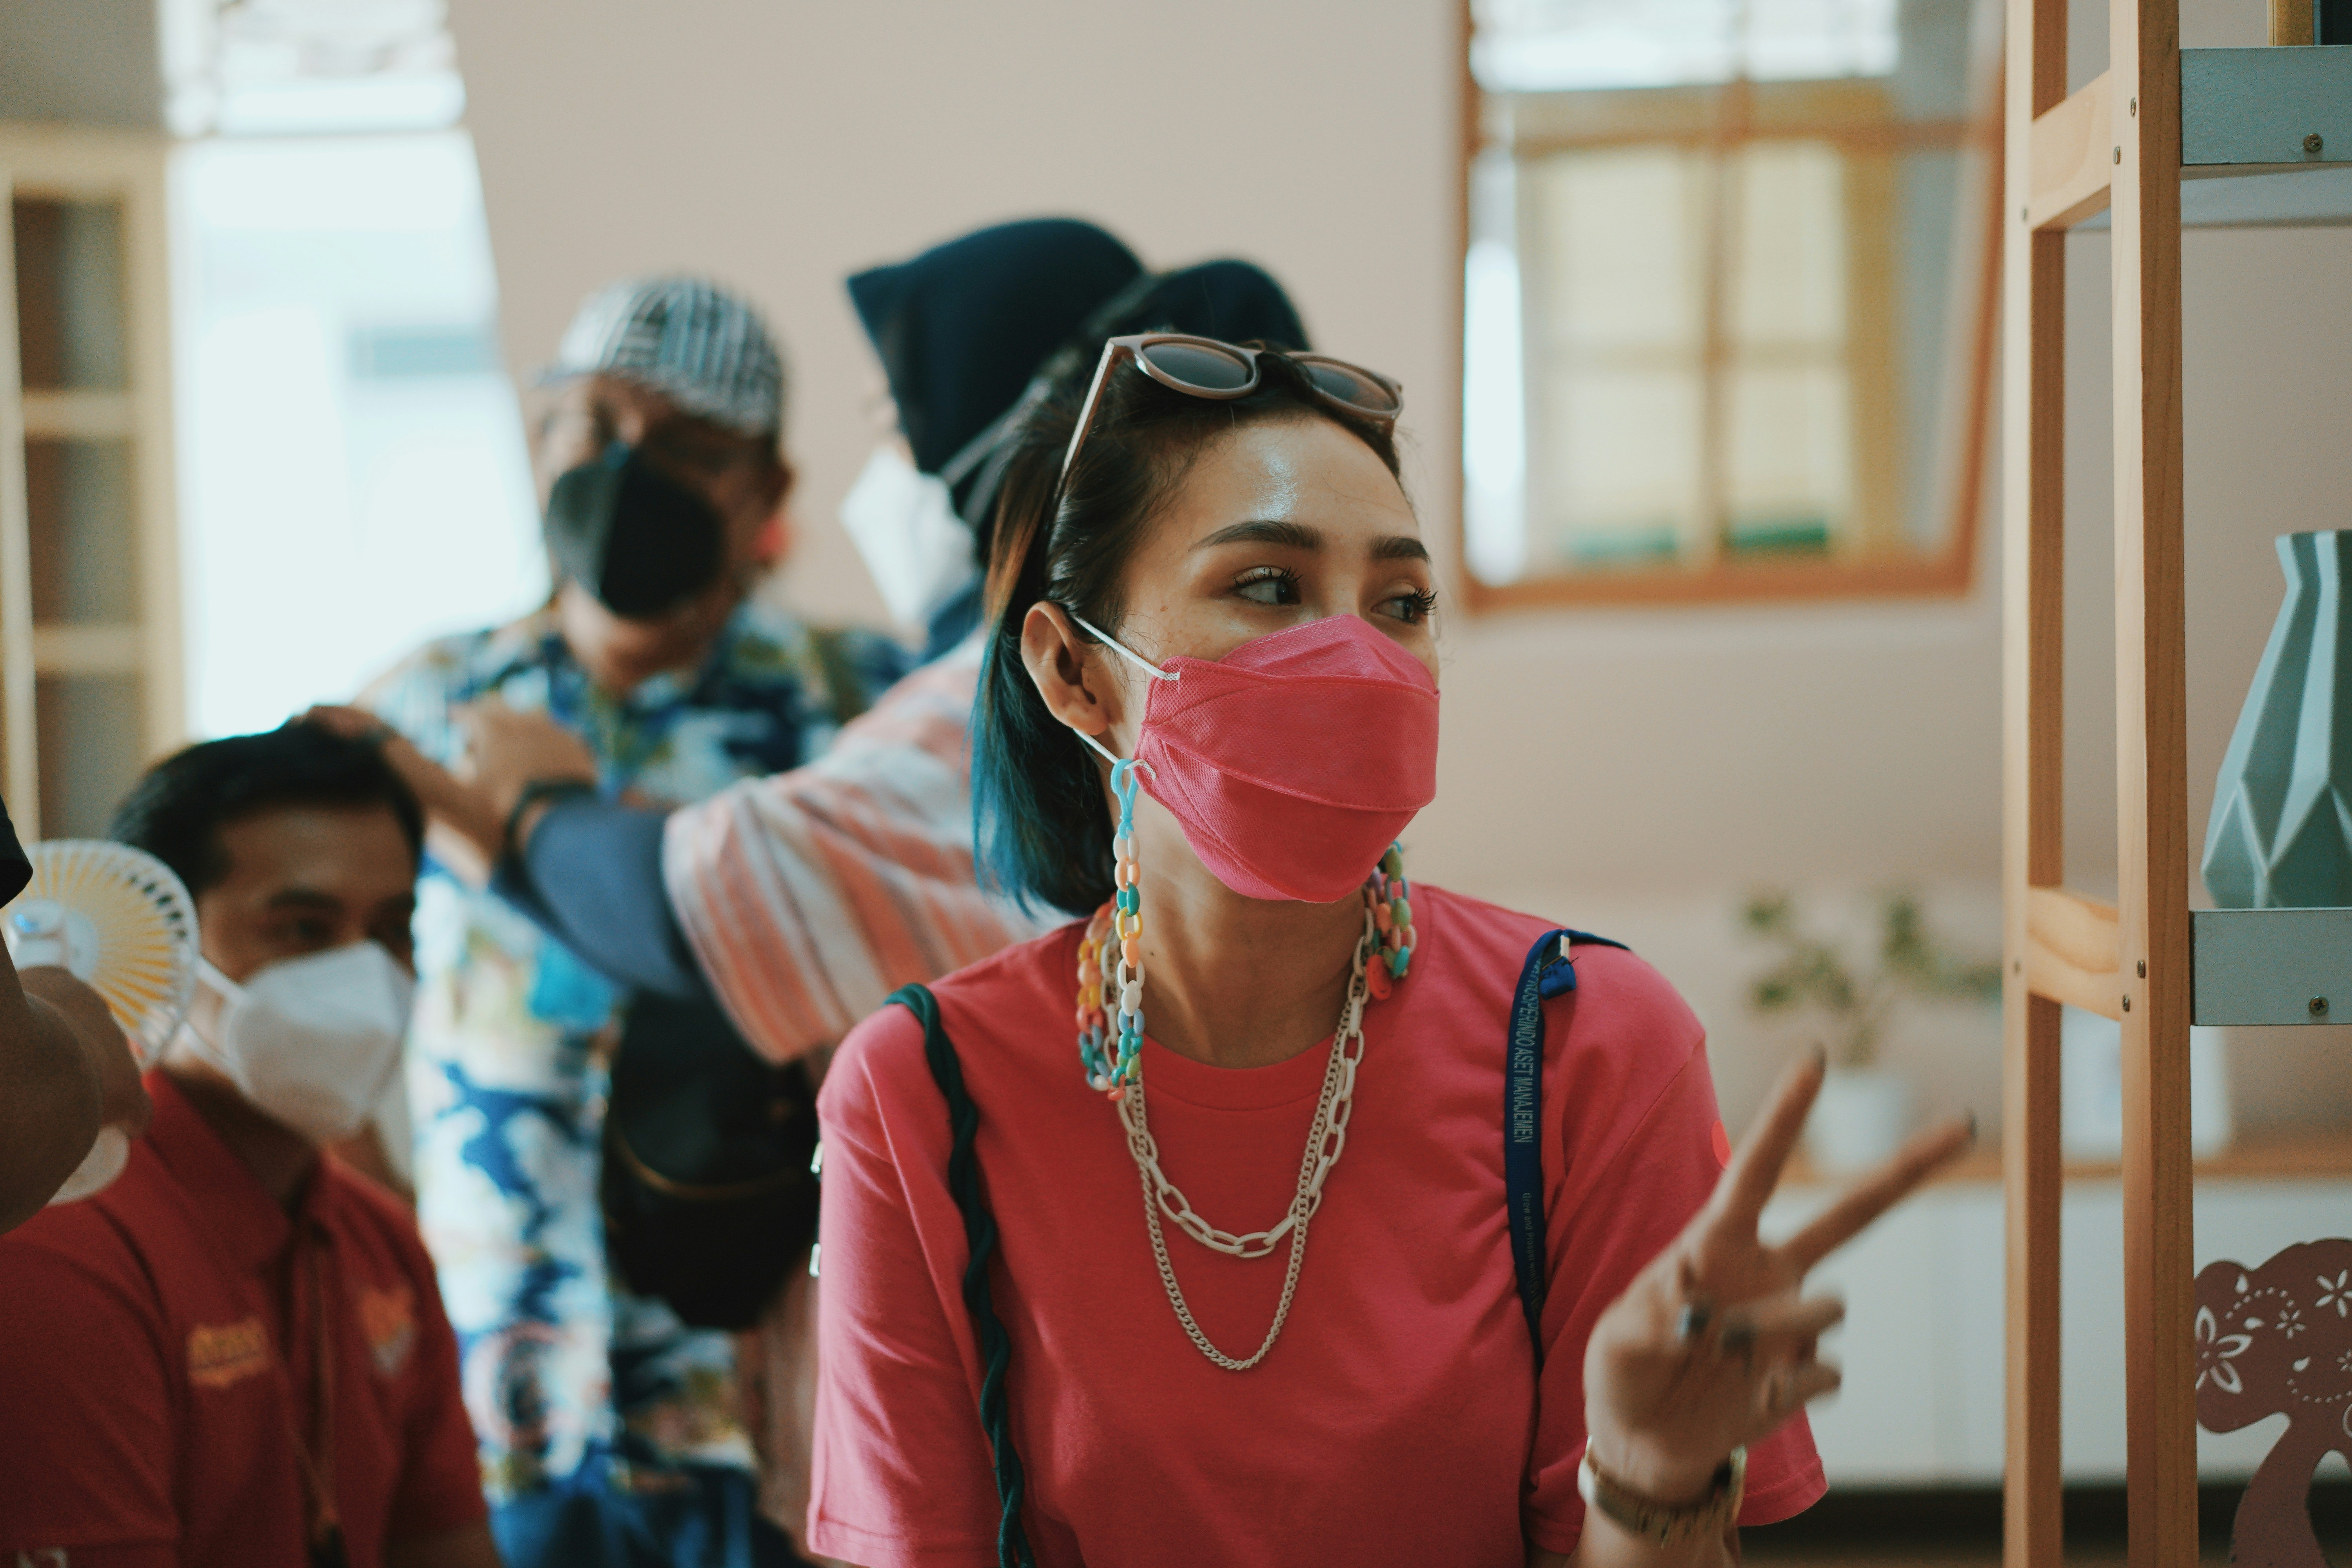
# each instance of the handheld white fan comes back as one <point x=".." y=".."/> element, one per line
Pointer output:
<point x="122" y="922"/>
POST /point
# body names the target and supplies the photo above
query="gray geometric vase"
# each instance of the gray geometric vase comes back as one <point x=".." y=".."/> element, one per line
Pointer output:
<point x="2281" y="834"/>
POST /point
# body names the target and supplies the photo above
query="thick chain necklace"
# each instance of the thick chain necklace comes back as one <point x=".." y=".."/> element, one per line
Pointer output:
<point x="1110" y="959"/>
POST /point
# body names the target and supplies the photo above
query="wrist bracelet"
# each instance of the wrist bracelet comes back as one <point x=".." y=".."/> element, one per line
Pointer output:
<point x="536" y="791"/>
<point x="1666" y="1524"/>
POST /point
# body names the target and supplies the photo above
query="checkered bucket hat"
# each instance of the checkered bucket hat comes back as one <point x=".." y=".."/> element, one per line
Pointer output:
<point x="689" y="339"/>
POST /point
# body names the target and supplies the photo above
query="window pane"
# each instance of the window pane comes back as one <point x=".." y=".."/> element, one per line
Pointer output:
<point x="70" y="300"/>
<point x="1790" y="460"/>
<point x="90" y="741"/>
<point x="1616" y="249"/>
<point x="84" y="557"/>
<point x="1616" y="323"/>
<point x="1790" y="272"/>
<point x="1550" y="45"/>
<point x="1623" y="448"/>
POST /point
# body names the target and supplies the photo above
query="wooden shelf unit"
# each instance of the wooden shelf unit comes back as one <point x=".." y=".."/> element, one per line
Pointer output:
<point x="90" y="662"/>
<point x="2257" y="124"/>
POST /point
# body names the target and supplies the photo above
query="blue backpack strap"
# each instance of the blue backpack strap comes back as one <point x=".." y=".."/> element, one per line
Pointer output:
<point x="980" y="1232"/>
<point x="1550" y="971"/>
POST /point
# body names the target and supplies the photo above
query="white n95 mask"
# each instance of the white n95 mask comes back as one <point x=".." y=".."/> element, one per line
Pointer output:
<point x="907" y="531"/>
<point x="312" y="1041"/>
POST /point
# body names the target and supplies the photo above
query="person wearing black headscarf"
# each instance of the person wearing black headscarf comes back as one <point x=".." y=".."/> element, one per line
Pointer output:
<point x="959" y="331"/>
<point x="961" y="328"/>
<point x="969" y="333"/>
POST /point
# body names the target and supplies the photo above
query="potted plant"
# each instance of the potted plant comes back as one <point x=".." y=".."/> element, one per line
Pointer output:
<point x="1865" y="1109"/>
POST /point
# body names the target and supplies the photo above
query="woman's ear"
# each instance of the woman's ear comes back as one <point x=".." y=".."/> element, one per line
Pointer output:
<point x="1062" y="665"/>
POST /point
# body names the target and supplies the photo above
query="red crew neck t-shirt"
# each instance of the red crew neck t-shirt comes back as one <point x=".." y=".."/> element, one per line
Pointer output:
<point x="150" y="1407"/>
<point x="1400" y="1418"/>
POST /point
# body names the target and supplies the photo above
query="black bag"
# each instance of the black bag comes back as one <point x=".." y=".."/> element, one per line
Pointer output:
<point x="708" y="1197"/>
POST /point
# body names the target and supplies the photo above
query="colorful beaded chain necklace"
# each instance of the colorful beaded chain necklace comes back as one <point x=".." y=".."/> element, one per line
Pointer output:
<point x="1110" y="1037"/>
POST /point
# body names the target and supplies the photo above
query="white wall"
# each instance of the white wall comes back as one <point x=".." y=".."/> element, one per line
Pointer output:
<point x="1630" y="771"/>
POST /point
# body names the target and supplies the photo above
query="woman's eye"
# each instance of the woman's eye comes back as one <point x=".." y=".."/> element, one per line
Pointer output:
<point x="1417" y="606"/>
<point x="1269" y="585"/>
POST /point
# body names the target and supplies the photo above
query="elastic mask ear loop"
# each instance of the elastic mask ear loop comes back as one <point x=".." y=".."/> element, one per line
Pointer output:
<point x="1116" y="762"/>
<point x="1142" y="663"/>
<point x="1110" y="756"/>
<point x="230" y="993"/>
<point x="227" y="989"/>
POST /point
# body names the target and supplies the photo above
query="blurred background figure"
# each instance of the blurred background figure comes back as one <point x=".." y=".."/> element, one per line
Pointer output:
<point x="156" y="1338"/>
<point x="602" y="1415"/>
<point x="960" y="333"/>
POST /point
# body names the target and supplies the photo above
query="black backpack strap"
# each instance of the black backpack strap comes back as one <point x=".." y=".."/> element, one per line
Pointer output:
<point x="1550" y="971"/>
<point x="980" y="1232"/>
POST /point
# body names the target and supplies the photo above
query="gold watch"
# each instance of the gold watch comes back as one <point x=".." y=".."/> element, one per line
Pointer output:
<point x="1664" y="1523"/>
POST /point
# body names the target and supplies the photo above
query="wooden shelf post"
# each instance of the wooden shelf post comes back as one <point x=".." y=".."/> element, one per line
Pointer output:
<point x="2152" y="787"/>
<point x="2113" y="145"/>
<point x="2033" y="445"/>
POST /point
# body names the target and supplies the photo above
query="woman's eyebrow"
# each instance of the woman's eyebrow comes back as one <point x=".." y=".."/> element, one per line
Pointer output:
<point x="1265" y="530"/>
<point x="1400" y="547"/>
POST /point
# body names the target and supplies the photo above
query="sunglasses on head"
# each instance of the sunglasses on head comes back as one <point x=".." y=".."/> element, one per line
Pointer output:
<point x="1206" y="367"/>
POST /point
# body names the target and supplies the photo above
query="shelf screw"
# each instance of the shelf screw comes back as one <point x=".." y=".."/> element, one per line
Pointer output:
<point x="2126" y="1003"/>
<point x="2135" y="109"/>
<point x="2313" y="143"/>
<point x="2143" y="969"/>
<point x="2319" y="1007"/>
<point x="2119" y="154"/>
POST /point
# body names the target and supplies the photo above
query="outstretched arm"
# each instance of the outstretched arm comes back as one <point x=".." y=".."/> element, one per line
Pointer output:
<point x="592" y="880"/>
<point x="463" y="824"/>
<point x="590" y="873"/>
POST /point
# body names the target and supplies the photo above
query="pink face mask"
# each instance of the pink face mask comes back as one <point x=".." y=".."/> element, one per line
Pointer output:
<point x="1295" y="761"/>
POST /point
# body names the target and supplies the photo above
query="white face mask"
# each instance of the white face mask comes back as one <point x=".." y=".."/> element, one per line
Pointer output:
<point x="904" y="526"/>
<point x="312" y="1041"/>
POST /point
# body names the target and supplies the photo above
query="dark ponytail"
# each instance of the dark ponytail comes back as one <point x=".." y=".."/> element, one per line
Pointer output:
<point x="1042" y="825"/>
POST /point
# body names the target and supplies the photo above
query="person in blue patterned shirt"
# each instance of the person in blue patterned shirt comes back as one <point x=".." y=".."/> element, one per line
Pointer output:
<point x="611" y="1433"/>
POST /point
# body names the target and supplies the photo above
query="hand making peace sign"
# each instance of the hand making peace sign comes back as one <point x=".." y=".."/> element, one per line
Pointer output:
<point x="1713" y="1346"/>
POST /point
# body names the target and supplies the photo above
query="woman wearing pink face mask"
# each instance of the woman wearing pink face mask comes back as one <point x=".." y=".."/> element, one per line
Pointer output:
<point x="1279" y="1210"/>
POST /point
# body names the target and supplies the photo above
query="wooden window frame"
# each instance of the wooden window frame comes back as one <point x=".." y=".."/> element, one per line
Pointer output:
<point x="1721" y="117"/>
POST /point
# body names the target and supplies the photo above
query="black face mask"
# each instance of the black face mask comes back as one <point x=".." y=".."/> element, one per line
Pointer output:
<point x="632" y="536"/>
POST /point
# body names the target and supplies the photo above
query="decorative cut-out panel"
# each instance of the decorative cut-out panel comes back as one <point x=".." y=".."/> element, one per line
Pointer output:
<point x="2272" y="1340"/>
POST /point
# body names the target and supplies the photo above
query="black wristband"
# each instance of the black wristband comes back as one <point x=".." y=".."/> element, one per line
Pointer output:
<point x="536" y="791"/>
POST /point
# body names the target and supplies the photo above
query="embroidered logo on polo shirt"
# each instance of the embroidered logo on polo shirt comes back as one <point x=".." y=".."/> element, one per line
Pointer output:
<point x="228" y="1353"/>
<point x="388" y="1318"/>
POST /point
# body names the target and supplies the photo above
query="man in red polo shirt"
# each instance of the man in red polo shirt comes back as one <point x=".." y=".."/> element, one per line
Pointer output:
<point x="237" y="1355"/>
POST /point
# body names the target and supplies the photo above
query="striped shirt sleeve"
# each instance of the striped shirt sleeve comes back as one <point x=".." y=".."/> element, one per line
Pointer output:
<point x="808" y="897"/>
